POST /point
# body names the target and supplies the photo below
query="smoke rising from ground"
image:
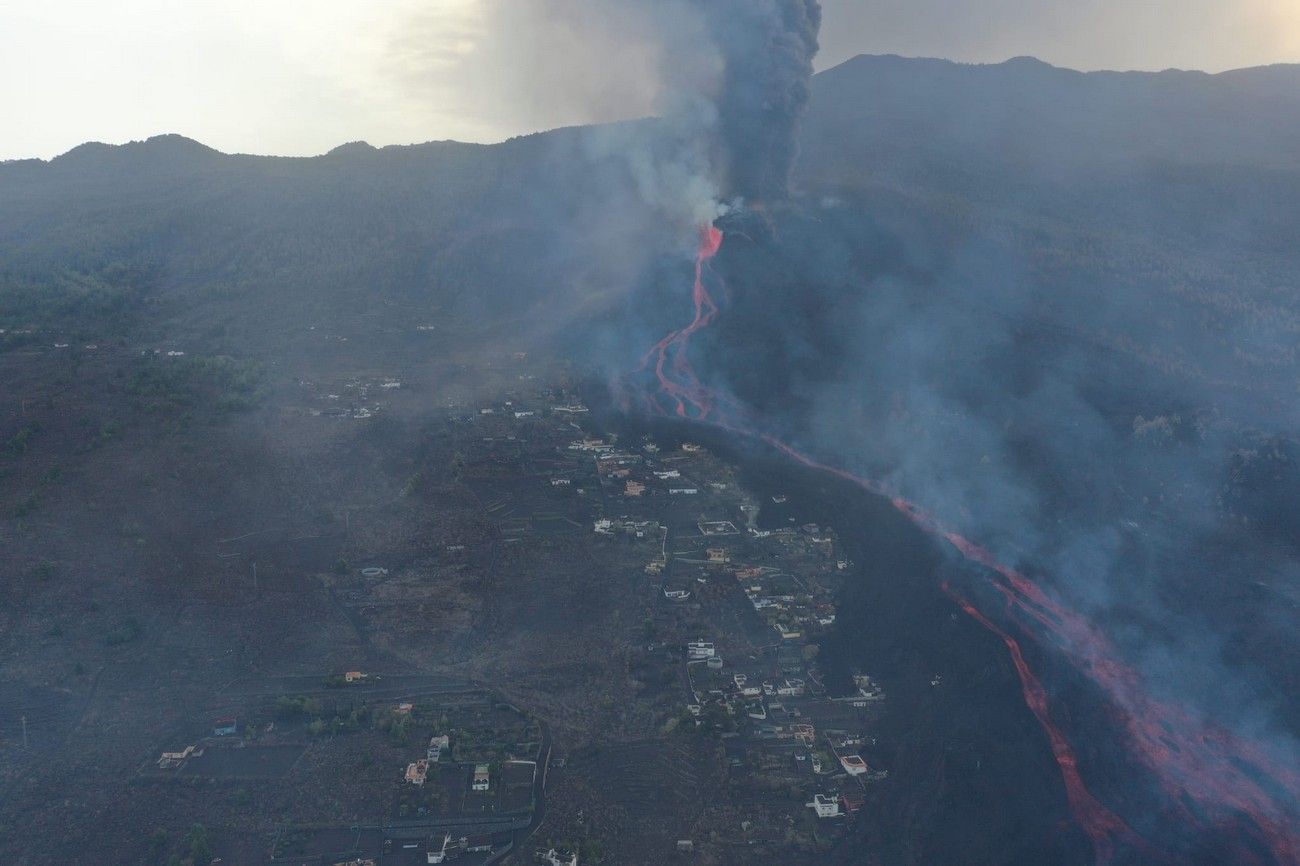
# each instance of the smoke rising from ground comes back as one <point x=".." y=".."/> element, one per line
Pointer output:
<point x="730" y="80"/>
<point x="767" y="50"/>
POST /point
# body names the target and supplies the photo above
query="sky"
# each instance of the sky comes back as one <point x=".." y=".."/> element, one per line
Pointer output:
<point x="261" y="76"/>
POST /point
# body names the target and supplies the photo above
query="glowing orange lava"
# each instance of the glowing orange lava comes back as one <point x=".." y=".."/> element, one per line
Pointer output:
<point x="1212" y="777"/>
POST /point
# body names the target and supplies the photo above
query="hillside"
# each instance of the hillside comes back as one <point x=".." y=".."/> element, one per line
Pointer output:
<point x="1058" y="310"/>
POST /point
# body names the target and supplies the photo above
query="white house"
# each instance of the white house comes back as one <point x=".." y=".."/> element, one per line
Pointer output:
<point x="825" y="807"/>
<point x="700" y="650"/>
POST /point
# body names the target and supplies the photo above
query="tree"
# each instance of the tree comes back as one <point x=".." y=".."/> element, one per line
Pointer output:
<point x="199" y="845"/>
<point x="157" y="844"/>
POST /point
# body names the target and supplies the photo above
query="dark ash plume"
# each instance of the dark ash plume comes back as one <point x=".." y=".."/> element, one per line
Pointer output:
<point x="767" y="50"/>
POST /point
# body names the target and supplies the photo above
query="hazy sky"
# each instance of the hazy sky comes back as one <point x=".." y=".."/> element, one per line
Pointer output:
<point x="301" y="76"/>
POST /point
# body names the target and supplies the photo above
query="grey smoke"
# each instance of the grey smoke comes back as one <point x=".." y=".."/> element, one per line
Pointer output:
<point x="767" y="50"/>
<point x="729" y="81"/>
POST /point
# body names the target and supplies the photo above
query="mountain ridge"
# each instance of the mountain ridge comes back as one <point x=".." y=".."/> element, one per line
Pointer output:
<point x="1282" y="75"/>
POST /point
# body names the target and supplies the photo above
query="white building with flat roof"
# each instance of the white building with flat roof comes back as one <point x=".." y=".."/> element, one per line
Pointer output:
<point x="825" y="807"/>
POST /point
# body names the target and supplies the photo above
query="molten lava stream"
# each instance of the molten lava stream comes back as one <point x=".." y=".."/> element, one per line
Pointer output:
<point x="1193" y="762"/>
<point x="669" y="356"/>
<point x="1101" y="824"/>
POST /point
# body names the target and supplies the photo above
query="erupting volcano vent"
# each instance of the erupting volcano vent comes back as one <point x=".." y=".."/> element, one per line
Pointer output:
<point x="1212" y="779"/>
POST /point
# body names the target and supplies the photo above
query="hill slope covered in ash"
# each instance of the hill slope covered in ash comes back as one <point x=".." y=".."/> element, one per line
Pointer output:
<point x="1058" y="309"/>
<point x="1061" y="316"/>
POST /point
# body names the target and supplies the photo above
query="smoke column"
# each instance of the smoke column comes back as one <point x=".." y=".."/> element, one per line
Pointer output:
<point x="767" y="49"/>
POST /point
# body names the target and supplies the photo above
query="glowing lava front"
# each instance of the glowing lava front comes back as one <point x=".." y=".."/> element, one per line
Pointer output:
<point x="672" y="365"/>
<point x="1212" y="777"/>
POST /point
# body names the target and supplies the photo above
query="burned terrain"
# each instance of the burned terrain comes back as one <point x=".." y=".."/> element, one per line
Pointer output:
<point x="407" y="503"/>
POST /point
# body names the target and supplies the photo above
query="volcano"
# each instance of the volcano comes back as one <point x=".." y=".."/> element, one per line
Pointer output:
<point x="1209" y="782"/>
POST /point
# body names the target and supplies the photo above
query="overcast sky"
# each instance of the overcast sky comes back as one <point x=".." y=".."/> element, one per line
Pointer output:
<point x="301" y="76"/>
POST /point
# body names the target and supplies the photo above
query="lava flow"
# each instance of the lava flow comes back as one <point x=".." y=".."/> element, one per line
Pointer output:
<point x="671" y="350"/>
<point x="1212" y="777"/>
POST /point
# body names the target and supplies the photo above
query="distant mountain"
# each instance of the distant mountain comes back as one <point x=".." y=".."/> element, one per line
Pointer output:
<point x="1200" y="171"/>
<point x="1037" y="116"/>
<point x="266" y="243"/>
<point x="1212" y="159"/>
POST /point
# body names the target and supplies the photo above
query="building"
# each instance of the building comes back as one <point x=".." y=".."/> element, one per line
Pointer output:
<point x="453" y="848"/>
<point x="171" y="760"/>
<point x="804" y="733"/>
<point x="436" y="747"/>
<point x="700" y="650"/>
<point x="225" y="728"/>
<point x="418" y="773"/>
<point x="854" y="765"/>
<point x="353" y="677"/>
<point x="448" y="850"/>
<point x="825" y="807"/>
<point x="791" y="688"/>
<point x="478" y="845"/>
<point x="482" y="779"/>
<point x="558" y="857"/>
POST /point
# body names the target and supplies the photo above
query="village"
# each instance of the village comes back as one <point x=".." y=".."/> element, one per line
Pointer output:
<point x="440" y="771"/>
<point x="734" y="594"/>
<point x="550" y="643"/>
<point x="761" y="595"/>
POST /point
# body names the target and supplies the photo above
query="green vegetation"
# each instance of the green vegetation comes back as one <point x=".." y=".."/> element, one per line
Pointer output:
<point x="100" y="301"/>
<point x="590" y="851"/>
<point x="334" y="717"/>
<point x="413" y="801"/>
<point x="157" y="845"/>
<point x="200" y="847"/>
<point x="296" y="707"/>
<point x="182" y="385"/>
